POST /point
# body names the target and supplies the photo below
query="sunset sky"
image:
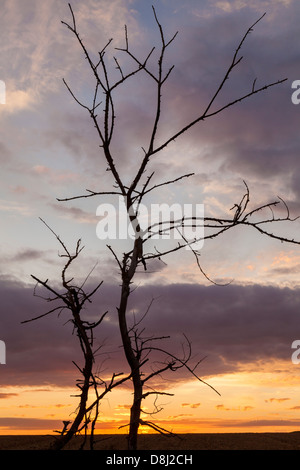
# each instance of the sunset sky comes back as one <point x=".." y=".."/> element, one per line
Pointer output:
<point x="49" y="149"/>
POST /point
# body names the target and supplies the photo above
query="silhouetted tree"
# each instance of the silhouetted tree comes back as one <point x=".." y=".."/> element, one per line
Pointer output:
<point x="102" y="110"/>
<point x="72" y="298"/>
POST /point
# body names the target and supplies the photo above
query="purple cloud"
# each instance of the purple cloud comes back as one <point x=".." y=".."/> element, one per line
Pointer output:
<point x="231" y="326"/>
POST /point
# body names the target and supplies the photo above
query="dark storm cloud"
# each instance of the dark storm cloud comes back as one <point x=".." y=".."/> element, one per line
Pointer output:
<point x="232" y="326"/>
<point x="35" y="353"/>
<point x="42" y="352"/>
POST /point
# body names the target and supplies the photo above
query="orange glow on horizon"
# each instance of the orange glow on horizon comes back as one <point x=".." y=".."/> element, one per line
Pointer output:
<point x="261" y="400"/>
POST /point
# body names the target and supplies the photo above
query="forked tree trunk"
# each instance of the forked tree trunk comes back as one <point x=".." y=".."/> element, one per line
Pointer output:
<point x="131" y="356"/>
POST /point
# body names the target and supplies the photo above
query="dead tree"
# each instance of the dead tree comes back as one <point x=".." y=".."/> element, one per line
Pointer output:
<point x="102" y="112"/>
<point x="72" y="299"/>
<point x="143" y="347"/>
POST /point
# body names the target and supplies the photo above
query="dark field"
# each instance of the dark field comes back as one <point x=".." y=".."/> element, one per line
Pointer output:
<point x="235" y="441"/>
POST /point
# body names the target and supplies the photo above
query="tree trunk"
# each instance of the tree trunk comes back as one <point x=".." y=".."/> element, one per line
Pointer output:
<point x="87" y="373"/>
<point x="131" y="357"/>
<point x="135" y="411"/>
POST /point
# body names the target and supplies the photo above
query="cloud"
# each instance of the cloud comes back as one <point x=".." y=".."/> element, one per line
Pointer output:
<point x="55" y="176"/>
<point x="262" y="423"/>
<point x="32" y="73"/>
<point x="5" y="154"/>
<point x="75" y="213"/>
<point x="15" y="208"/>
<point x="239" y="324"/>
<point x="21" y="424"/>
<point x="222" y="407"/>
<point x="4" y="395"/>
<point x="179" y="416"/>
<point x="29" y="352"/>
<point x="18" y="100"/>
<point x="50" y="141"/>
<point x="287" y="270"/>
<point x="19" y="189"/>
<point x="27" y="255"/>
<point x="239" y="408"/>
<point x="246" y="143"/>
<point x="191" y="405"/>
<point x="233" y="327"/>
<point x="278" y="400"/>
<point x="235" y="5"/>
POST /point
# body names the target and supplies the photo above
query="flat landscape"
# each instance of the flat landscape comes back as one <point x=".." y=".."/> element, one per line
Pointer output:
<point x="226" y="441"/>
